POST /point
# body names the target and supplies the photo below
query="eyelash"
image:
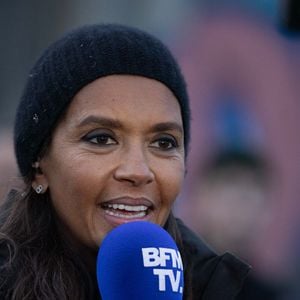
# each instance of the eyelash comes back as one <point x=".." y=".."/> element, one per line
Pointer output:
<point x="172" y="143"/>
<point x="94" y="138"/>
<point x="97" y="136"/>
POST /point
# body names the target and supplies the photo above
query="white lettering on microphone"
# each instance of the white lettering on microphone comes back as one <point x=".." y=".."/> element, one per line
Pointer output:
<point x="167" y="273"/>
<point x="154" y="257"/>
<point x="164" y="258"/>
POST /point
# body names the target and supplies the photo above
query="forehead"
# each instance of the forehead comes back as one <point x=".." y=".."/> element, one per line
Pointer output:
<point x="127" y="96"/>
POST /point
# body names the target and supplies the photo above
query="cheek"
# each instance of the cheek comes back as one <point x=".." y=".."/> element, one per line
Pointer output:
<point x="73" y="172"/>
<point x="71" y="197"/>
<point x="74" y="198"/>
<point x="78" y="187"/>
<point x="72" y="187"/>
<point x="171" y="181"/>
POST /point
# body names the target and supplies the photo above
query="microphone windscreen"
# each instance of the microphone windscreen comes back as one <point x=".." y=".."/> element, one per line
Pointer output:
<point x="139" y="260"/>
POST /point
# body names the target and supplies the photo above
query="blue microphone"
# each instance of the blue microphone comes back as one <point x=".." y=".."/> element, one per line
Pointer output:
<point x="139" y="260"/>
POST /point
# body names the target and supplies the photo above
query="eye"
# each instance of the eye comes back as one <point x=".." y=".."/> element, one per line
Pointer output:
<point x="101" y="139"/>
<point x="165" y="143"/>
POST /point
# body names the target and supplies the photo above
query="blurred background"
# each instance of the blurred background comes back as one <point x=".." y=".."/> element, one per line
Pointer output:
<point x="241" y="61"/>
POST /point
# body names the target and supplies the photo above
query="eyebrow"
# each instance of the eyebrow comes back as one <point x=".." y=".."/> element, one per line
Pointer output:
<point x="115" y="124"/>
<point x="107" y="122"/>
<point x="166" y="126"/>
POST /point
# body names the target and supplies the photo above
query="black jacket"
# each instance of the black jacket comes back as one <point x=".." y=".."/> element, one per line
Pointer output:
<point x="213" y="277"/>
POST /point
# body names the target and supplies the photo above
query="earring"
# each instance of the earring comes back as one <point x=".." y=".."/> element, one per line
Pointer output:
<point x="36" y="166"/>
<point x="39" y="189"/>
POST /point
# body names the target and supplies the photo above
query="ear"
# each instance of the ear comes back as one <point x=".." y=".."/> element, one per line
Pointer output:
<point x="40" y="182"/>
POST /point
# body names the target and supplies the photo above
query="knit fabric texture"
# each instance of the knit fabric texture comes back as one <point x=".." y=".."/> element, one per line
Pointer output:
<point x="78" y="58"/>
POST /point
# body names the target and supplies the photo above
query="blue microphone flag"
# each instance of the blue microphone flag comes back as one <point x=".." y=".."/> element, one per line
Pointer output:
<point x="139" y="260"/>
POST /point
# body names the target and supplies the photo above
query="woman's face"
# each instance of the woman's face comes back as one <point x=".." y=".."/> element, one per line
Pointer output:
<point x="116" y="156"/>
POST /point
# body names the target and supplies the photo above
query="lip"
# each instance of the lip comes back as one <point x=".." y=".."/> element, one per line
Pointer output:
<point x="129" y="201"/>
<point x="114" y="220"/>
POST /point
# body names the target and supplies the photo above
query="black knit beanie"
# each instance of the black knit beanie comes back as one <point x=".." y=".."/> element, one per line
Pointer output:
<point x="77" y="59"/>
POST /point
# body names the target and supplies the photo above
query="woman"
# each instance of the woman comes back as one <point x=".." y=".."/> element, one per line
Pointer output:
<point x="101" y="138"/>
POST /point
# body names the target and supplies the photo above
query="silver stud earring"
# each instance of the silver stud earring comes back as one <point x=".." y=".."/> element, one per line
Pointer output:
<point x="39" y="189"/>
<point x="36" y="165"/>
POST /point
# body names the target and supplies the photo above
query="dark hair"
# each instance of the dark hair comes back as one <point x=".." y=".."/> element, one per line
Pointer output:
<point x="39" y="263"/>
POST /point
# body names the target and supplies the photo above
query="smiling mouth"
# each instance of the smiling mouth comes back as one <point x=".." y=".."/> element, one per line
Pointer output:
<point x="125" y="211"/>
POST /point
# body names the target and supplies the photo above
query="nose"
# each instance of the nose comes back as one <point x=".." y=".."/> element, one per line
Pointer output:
<point x="134" y="169"/>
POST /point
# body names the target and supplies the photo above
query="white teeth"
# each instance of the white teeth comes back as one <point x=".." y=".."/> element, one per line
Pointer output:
<point x="121" y="211"/>
<point x="124" y="216"/>
<point x="141" y="208"/>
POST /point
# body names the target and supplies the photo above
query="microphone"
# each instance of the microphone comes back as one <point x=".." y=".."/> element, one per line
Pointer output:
<point x="139" y="260"/>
